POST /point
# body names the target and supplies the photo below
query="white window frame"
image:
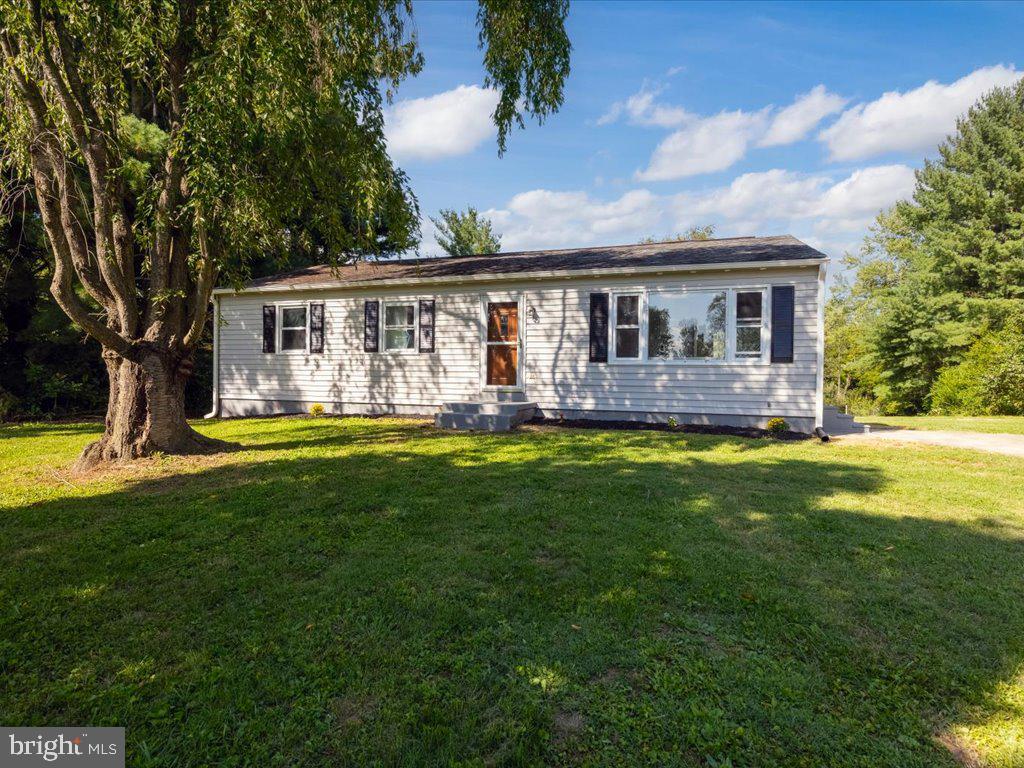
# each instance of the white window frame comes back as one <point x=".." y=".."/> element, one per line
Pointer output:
<point x="415" y="326"/>
<point x="279" y="332"/>
<point x="731" y="358"/>
<point x="642" y="327"/>
<point x="735" y="322"/>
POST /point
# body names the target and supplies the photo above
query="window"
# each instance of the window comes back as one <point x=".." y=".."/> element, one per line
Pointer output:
<point x="627" y="327"/>
<point x="749" y="320"/>
<point x="400" y="326"/>
<point x="686" y="326"/>
<point x="679" y="325"/>
<point x="294" y="329"/>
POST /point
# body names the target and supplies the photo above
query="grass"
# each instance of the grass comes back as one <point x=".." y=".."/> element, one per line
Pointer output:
<point x="1012" y="425"/>
<point x="349" y="592"/>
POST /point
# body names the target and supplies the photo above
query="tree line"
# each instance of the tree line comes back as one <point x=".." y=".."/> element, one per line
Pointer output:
<point x="929" y="316"/>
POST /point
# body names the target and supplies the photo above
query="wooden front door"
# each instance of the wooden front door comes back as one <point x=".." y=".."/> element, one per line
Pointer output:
<point x="502" y="344"/>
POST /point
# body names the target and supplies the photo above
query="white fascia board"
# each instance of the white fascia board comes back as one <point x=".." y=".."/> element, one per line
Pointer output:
<point x="560" y="274"/>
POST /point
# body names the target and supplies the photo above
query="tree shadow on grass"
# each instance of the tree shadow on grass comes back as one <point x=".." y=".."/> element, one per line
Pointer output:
<point x="420" y="601"/>
<point x="50" y="429"/>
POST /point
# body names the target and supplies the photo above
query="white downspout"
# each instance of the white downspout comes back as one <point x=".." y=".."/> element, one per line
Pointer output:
<point x="820" y="377"/>
<point x="215" y="411"/>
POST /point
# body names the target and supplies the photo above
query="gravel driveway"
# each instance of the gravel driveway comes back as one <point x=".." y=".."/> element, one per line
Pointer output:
<point x="1011" y="445"/>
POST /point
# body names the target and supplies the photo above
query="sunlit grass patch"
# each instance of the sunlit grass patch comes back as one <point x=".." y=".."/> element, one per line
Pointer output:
<point x="353" y="591"/>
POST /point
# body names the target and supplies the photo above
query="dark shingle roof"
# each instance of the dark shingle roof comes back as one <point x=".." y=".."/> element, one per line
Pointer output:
<point x="725" y="251"/>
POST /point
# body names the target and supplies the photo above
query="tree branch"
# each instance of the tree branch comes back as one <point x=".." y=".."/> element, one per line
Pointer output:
<point x="46" y="157"/>
<point x="88" y="273"/>
<point x="200" y="299"/>
<point x="94" y="146"/>
<point x="62" y="285"/>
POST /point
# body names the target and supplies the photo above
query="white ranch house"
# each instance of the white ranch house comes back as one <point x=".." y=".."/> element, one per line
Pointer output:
<point x="726" y="331"/>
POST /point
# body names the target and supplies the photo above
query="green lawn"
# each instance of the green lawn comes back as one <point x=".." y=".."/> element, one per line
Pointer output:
<point x="1012" y="425"/>
<point x="349" y="592"/>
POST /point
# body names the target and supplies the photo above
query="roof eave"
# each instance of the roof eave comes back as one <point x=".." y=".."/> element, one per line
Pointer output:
<point x="524" y="276"/>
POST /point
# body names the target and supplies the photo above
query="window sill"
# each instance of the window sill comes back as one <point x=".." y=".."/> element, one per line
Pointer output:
<point x="695" y="363"/>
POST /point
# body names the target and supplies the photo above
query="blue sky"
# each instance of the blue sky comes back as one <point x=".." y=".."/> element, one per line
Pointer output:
<point x="757" y="118"/>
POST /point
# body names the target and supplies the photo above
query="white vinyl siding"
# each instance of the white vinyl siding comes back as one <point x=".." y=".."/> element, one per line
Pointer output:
<point x="556" y="370"/>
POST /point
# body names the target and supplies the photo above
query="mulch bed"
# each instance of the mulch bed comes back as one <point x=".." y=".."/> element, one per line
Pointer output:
<point x="698" y="429"/>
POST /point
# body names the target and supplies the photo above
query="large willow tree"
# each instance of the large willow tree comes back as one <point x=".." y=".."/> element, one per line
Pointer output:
<point x="169" y="142"/>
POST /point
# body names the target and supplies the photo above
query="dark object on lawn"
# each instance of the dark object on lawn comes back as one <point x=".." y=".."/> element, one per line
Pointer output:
<point x="700" y="429"/>
<point x="776" y="426"/>
<point x="821" y="434"/>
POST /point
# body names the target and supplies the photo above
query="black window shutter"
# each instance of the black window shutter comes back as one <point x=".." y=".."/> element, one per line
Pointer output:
<point x="316" y="328"/>
<point x="427" y="325"/>
<point x="782" y="323"/>
<point x="599" y="327"/>
<point x="371" y="326"/>
<point x="269" y="327"/>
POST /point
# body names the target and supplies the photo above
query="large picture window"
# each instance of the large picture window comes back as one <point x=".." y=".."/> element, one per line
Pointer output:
<point x="294" y="328"/>
<point x="686" y="326"/>
<point x="400" y="326"/>
<point x="706" y="325"/>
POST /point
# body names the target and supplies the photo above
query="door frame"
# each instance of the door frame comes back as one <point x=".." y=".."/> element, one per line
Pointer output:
<point x="501" y="298"/>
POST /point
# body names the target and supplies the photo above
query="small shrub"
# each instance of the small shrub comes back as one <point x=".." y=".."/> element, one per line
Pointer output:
<point x="672" y="422"/>
<point x="777" y="426"/>
<point x="316" y="409"/>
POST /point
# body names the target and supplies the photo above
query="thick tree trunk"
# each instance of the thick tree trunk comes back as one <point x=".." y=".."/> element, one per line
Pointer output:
<point x="145" y="413"/>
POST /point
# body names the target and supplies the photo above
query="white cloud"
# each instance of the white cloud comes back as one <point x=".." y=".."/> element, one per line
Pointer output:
<point x="763" y="196"/>
<point x="795" y="121"/>
<point x="818" y="201"/>
<point x="817" y="207"/>
<point x="444" y="125"/>
<point x="704" y="145"/>
<point x="864" y="193"/>
<point x="544" y="218"/>
<point x="915" y="120"/>
<point x="642" y="109"/>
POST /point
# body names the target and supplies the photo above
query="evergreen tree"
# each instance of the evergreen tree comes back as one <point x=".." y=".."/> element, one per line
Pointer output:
<point x="465" y="234"/>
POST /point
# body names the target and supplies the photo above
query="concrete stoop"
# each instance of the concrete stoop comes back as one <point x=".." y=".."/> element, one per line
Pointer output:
<point x="838" y="424"/>
<point x="484" y="416"/>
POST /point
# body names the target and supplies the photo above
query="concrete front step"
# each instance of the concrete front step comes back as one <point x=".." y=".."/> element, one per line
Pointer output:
<point x="836" y="423"/>
<point x="501" y="409"/>
<point x="500" y="396"/>
<point x="486" y="417"/>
